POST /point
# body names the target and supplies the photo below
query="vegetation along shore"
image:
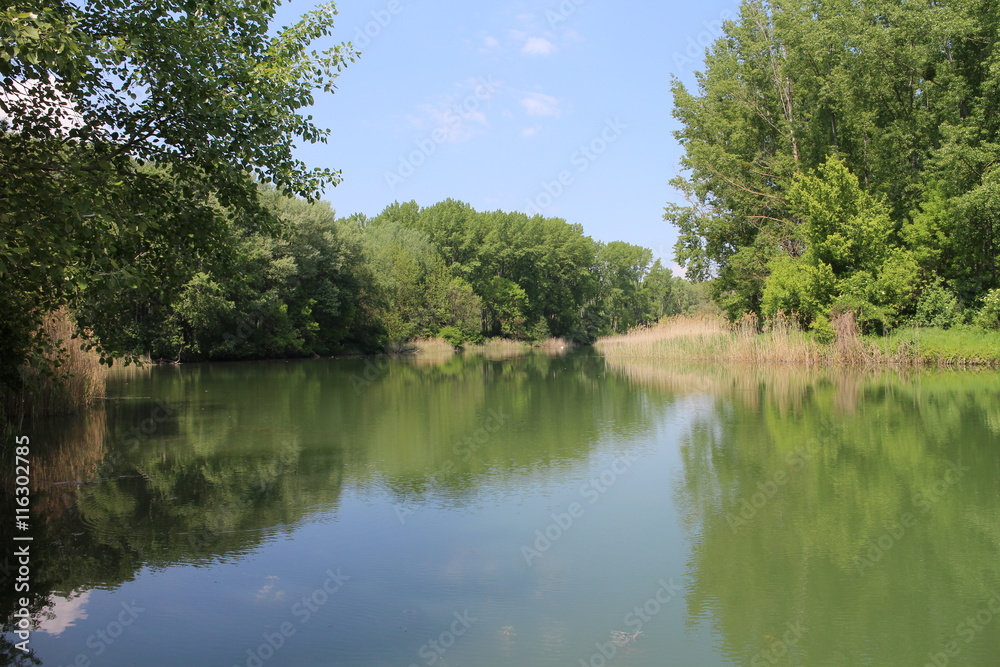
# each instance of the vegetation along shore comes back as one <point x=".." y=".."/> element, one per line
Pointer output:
<point x="841" y="205"/>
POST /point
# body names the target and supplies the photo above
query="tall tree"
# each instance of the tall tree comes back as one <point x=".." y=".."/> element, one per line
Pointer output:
<point x="95" y="91"/>
<point x="903" y="94"/>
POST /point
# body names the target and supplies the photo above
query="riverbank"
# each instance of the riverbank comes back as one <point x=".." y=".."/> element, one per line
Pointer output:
<point x="502" y="348"/>
<point x="65" y="378"/>
<point x="781" y="341"/>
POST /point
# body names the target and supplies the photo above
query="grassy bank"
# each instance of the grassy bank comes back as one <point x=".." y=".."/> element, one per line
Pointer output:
<point x="946" y="346"/>
<point x="714" y="339"/>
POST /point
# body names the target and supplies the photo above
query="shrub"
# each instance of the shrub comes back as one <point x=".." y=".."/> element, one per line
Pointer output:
<point x="453" y="335"/>
<point x="938" y="307"/>
<point x="989" y="315"/>
<point x="539" y="331"/>
<point x="822" y="329"/>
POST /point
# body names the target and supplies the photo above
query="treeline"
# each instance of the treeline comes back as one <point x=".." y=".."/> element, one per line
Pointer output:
<point x="843" y="155"/>
<point x="313" y="284"/>
<point x="132" y="138"/>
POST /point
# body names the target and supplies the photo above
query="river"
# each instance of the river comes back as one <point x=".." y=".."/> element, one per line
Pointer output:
<point x="536" y="510"/>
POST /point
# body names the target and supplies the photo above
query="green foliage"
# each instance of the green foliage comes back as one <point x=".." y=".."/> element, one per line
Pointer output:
<point x="842" y="226"/>
<point x="315" y="285"/>
<point x="200" y="311"/>
<point x="823" y="330"/>
<point x="290" y="291"/>
<point x="798" y="286"/>
<point x="861" y="136"/>
<point x="989" y="314"/>
<point x="535" y="276"/>
<point x="453" y="335"/>
<point x="850" y="258"/>
<point x="622" y="269"/>
<point x="938" y="307"/>
<point x="103" y="90"/>
<point x="539" y="331"/>
<point x="690" y="298"/>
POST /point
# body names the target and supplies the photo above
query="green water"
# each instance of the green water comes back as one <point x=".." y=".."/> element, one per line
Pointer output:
<point x="530" y="511"/>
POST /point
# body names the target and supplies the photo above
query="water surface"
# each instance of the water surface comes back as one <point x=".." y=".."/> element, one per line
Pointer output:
<point x="529" y="511"/>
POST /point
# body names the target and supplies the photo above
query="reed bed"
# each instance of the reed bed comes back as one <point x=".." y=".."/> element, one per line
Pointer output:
<point x="711" y="338"/>
<point x="781" y="340"/>
<point x="66" y="381"/>
<point x="499" y="348"/>
<point x="431" y="346"/>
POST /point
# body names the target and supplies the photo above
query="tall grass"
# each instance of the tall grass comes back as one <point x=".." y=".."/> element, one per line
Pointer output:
<point x="431" y="346"/>
<point x="499" y="348"/>
<point x="780" y="339"/>
<point x="64" y="381"/>
<point x="713" y="339"/>
<point x="952" y="347"/>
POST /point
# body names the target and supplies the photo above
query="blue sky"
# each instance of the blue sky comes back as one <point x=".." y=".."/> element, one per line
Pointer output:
<point x="554" y="106"/>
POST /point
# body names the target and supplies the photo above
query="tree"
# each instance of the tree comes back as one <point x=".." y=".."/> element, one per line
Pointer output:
<point x="852" y="259"/>
<point x="621" y="270"/>
<point x="658" y="291"/>
<point x="533" y="276"/>
<point x="98" y="93"/>
<point x="904" y="95"/>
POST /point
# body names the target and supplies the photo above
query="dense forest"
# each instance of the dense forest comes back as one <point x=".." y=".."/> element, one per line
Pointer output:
<point x="316" y="284"/>
<point x="148" y="188"/>
<point x="839" y="156"/>
<point x="133" y="137"/>
<point x="843" y="156"/>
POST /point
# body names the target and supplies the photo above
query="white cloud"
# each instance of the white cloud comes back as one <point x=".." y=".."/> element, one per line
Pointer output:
<point x="538" y="46"/>
<point x="530" y="131"/>
<point x="63" y="613"/>
<point x="540" y="104"/>
<point x="266" y="591"/>
<point x="451" y="123"/>
<point x="456" y="117"/>
<point x="490" y="45"/>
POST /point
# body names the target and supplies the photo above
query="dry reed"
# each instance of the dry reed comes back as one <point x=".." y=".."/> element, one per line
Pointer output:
<point x="66" y="380"/>
<point x="431" y="346"/>
<point x="499" y="348"/>
<point x="778" y="340"/>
